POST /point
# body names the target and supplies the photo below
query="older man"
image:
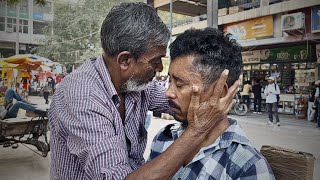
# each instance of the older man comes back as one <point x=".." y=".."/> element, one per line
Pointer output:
<point x="98" y="128"/>
<point x="198" y="57"/>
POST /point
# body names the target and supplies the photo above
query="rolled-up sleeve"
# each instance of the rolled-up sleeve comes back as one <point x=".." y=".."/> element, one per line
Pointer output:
<point x="102" y="152"/>
<point x="156" y="96"/>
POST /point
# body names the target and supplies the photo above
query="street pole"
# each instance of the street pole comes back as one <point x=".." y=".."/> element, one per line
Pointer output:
<point x="170" y="21"/>
<point x="17" y="27"/>
<point x="212" y="13"/>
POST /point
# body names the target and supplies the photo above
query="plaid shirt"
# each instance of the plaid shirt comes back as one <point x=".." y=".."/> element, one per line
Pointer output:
<point x="89" y="140"/>
<point x="231" y="156"/>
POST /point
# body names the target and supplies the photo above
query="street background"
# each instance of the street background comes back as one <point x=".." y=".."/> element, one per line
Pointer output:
<point x="295" y="134"/>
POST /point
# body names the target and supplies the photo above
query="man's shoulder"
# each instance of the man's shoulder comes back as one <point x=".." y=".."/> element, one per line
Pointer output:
<point x="162" y="140"/>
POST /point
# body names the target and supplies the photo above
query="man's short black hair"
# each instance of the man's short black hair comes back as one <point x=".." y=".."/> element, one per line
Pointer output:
<point x="213" y="51"/>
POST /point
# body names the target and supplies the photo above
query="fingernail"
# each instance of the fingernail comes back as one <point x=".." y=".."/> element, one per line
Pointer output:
<point x="195" y="89"/>
<point x="226" y="72"/>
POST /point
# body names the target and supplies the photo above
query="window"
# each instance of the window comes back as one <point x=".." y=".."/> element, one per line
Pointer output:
<point x="38" y="27"/>
<point x="2" y="23"/>
<point x="12" y="25"/>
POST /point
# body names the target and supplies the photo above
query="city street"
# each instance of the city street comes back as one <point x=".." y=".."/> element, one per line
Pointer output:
<point x="296" y="134"/>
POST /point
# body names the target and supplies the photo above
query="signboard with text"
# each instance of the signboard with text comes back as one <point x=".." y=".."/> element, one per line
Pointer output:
<point x="251" y="29"/>
<point x="295" y="53"/>
<point x="315" y="19"/>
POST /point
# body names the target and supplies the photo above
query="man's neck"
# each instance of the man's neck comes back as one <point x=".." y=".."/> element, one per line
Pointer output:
<point x="114" y="72"/>
<point x="218" y="130"/>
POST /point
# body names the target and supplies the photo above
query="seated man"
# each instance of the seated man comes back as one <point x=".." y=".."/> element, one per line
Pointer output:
<point x="197" y="59"/>
<point x="11" y="110"/>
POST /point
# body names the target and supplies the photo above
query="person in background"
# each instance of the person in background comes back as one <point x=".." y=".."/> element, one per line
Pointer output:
<point x="46" y="91"/>
<point x="12" y="109"/>
<point x="246" y="93"/>
<point x="311" y="98"/>
<point x="271" y="91"/>
<point x="256" y="89"/>
<point x="317" y="102"/>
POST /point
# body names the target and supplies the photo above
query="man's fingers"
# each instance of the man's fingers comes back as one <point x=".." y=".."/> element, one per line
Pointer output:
<point x="194" y="103"/>
<point x="230" y="106"/>
<point x="219" y="87"/>
<point x="232" y="91"/>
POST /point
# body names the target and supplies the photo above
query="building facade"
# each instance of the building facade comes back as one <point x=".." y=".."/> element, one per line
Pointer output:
<point x="33" y="19"/>
<point x="280" y="38"/>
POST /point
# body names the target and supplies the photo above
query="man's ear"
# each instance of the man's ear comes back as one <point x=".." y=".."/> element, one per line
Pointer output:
<point x="125" y="59"/>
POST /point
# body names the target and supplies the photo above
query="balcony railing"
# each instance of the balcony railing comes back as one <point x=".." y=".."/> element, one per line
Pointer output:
<point x="245" y="4"/>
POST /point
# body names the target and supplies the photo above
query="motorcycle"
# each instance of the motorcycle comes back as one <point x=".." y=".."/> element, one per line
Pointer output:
<point x="240" y="108"/>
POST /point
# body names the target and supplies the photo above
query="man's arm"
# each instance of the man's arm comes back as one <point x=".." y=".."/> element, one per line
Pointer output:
<point x="157" y="100"/>
<point x="202" y="118"/>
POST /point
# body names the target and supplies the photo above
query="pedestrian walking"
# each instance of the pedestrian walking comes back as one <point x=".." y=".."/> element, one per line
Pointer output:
<point x="46" y="91"/>
<point x="311" y="111"/>
<point x="246" y="93"/>
<point x="271" y="91"/>
<point x="256" y="89"/>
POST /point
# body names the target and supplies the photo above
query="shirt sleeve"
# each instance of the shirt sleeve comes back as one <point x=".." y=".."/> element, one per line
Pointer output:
<point x="266" y="90"/>
<point x="92" y="138"/>
<point x="157" y="100"/>
<point x="258" y="171"/>
<point x="317" y="92"/>
<point x="277" y="89"/>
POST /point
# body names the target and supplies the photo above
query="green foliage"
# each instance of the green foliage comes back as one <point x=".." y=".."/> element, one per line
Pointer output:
<point x="165" y="16"/>
<point x="74" y="34"/>
<point x="40" y="2"/>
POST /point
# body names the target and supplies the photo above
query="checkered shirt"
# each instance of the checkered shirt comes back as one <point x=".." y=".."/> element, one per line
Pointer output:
<point x="231" y="156"/>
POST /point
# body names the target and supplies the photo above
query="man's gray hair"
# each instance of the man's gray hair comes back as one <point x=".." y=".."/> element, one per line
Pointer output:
<point x="133" y="27"/>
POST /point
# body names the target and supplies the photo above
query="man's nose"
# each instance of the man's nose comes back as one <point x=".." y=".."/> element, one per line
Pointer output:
<point x="170" y="93"/>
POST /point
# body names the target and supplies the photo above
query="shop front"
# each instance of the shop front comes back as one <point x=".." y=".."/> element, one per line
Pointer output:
<point x="294" y="69"/>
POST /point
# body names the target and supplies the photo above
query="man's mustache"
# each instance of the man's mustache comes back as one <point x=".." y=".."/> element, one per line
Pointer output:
<point x="173" y="104"/>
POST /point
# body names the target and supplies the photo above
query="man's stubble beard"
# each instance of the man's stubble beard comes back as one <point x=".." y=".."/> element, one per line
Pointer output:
<point x="134" y="85"/>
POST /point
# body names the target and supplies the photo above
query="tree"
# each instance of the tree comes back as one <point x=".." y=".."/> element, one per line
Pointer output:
<point x="13" y="2"/>
<point x="74" y="34"/>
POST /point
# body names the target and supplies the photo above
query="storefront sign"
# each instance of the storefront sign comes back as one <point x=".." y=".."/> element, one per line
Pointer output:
<point x="24" y="13"/>
<point x="38" y="16"/>
<point x="249" y="57"/>
<point x="251" y="29"/>
<point x="296" y="53"/>
<point x="2" y="8"/>
<point x="11" y="11"/>
<point x="315" y="19"/>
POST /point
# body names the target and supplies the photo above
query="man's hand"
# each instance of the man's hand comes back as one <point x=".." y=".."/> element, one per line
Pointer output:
<point x="203" y="117"/>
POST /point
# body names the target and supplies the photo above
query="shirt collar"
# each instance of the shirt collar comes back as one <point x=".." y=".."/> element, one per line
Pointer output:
<point x="105" y="77"/>
<point x="233" y="134"/>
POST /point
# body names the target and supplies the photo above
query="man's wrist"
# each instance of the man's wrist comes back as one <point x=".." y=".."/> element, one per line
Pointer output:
<point x="195" y="135"/>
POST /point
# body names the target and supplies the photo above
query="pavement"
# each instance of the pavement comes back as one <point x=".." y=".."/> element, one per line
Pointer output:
<point x="295" y="134"/>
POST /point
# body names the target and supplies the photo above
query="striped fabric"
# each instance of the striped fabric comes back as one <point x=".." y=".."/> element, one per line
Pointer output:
<point x="88" y="138"/>
<point x="231" y="156"/>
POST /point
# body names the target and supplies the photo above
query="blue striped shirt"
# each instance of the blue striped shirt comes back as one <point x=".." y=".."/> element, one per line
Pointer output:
<point x="89" y="140"/>
<point x="231" y="156"/>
